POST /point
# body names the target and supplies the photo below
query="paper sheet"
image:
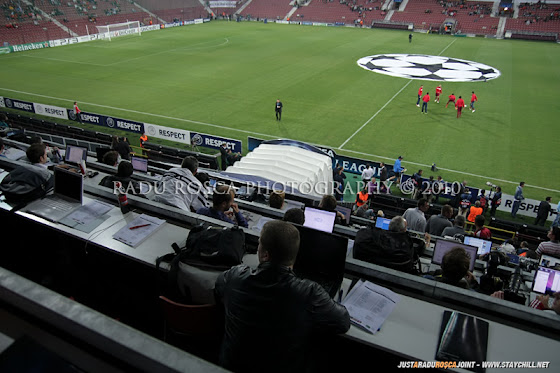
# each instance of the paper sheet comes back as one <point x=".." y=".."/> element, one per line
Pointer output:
<point x="369" y="305"/>
<point x="134" y="237"/>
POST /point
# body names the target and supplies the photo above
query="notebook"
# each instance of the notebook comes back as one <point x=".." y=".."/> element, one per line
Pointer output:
<point x="346" y="212"/>
<point x="319" y="219"/>
<point x="442" y="247"/>
<point x="321" y="258"/>
<point x="462" y="338"/>
<point x="139" y="164"/>
<point x="75" y="154"/>
<point x="67" y="196"/>
<point x="547" y="281"/>
<point x="382" y="223"/>
<point x="484" y="246"/>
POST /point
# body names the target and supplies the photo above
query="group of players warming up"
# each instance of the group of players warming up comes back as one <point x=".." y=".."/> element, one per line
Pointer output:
<point x="459" y="103"/>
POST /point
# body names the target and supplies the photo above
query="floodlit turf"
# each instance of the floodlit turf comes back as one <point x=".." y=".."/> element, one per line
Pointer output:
<point x="223" y="78"/>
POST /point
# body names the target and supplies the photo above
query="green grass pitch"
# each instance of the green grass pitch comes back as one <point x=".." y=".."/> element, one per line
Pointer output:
<point x="223" y="78"/>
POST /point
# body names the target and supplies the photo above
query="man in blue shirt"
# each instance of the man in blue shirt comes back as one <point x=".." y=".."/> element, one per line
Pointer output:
<point x="398" y="169"/>
<point x="518" y="197"/>
<point x="222" y="202"/>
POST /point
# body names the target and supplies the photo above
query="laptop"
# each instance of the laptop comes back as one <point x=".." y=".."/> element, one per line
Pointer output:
<point x="67" y="196"/>
<point x="549" y="261"/>
<point x="513" y="259"/>
<point x="75" y="154"/>
<point x="319" y="219"/>
<point x="546" y="281"/>
<point x="382" y="223"/>
<point x="346" y="212"/>
<point x="139" y="164"/>
<point x="443" y="246"/>
<point x="321" y="258"/>
<point x="484" y="246"/>
<point x="100" y="153"/>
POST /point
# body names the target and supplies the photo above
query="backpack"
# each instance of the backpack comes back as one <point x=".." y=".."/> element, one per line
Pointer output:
<point x="389" y="249"/>
<point x="209" y="249"/>
<point x="26" y="183"/>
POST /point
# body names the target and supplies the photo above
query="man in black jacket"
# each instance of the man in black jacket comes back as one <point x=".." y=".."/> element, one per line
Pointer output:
<point x="270" y="314"/>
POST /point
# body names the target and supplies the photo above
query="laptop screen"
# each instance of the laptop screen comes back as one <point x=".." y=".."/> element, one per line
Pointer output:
<point x="75" y="154"/>
<point x="319" y="219"/>
<point x="513" y="258"/>
<point x="346" y="212"/>
<point x="68" y="184"/>
<point x="443" y="246"/>
<point x="484" y="246"/>
<point x="547" y="280"/>
<point x="139" y="163"/>
<point x="382" y="223"/>
<point x="549" y="261"/>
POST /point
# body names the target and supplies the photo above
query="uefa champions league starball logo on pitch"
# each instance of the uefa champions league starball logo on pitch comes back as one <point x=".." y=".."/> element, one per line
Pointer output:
<point x="424" y="67"/>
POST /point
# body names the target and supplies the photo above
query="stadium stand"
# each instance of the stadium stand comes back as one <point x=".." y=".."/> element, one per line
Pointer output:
<point x="271" y="9"/>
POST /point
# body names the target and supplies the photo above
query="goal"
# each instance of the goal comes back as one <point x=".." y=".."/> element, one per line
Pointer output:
<point x="119" y="29"/>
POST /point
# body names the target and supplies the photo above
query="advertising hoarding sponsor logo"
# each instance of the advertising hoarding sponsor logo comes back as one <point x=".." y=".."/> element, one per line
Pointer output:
<point x="167" y="133"/>
<point x="201" y="139"/>
<point x="51" y="111"/>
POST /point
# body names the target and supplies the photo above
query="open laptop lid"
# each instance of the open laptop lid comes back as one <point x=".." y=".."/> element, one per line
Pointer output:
<point x="68" y="184"/>
<point x="75" y="154"/>
<point x="546" y="281"/>
<point x="484" y="246"/>
<point x="382" y="223"/>
<point x="319" y="219"/>
<point x="321" y="258"/>
<point x="443" y="246"/>
<point x="549" y="261"/>
<point x="346" y="212"/>
<point x="139" y="164"/>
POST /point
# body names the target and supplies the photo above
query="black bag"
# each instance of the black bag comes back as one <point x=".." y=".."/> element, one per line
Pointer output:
<point x="26" y="183"/>
<point x="394" y="250"/>
<point x="212" y="248"/>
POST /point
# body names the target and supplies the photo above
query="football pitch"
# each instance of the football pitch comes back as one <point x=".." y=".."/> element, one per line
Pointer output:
<point x="223" y="78"/>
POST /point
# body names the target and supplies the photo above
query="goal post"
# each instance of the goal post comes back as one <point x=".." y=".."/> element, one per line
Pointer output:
<point x="119" y="29"/>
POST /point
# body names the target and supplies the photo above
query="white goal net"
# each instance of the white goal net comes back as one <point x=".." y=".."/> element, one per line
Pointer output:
<point x="119" y="29"/>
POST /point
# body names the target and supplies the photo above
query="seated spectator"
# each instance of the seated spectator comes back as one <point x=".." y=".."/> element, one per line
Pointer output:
<point x="111" y="158"/>
<point x="372" y="186"/>
<point x="180" y="188"/>
<point x="480" y="230"/>
<point x="455" y="270"/>
<point x="276" y="199"/>
<point x="414" y="216"/>
<point x="474" y="211"/>
<point x="204" y="179"/>
<point x="551" y="247"/>
<point x="364" y="211"/>
<point x="328" y="203"/>
<point x="437" y="223"/>
<point x="4" y="121"/>
<point x="271" y="315"/>
<point x="124" y="172"/>
<point x="526" y="251"/>
<point x="393" y="248"/>
<point x="457" y="229"/>
<point x="294" y="215"/>
<point x="53" y="153"/>
<point x="222" y="203"/>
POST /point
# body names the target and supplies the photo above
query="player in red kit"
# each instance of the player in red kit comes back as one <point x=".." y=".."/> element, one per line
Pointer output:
<point x="420" y="90"/>
<point x="438" y="92"/>
<point x="451" y="99"/>
<point x="426" y="99"/>
<point x="459" y="105"/>
<point x="473" y="100"/>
